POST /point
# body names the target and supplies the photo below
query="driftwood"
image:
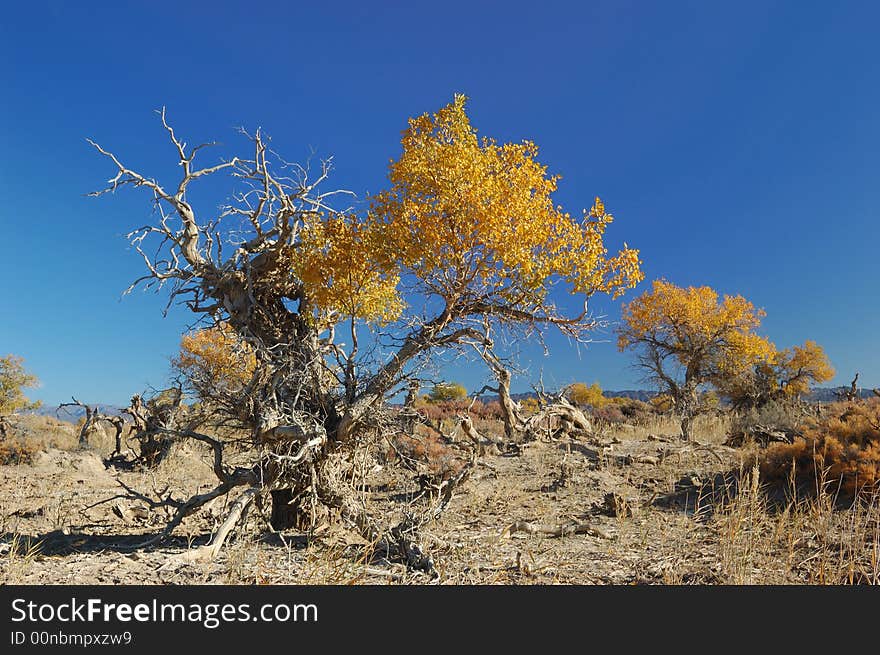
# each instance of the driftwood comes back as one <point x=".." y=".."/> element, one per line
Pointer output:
<point x="92" y="421"/>
<point x="482" y="443"/>
<point x="852" y="393"/>
<point x="555" y="530"/>
<point x="236" y="513"/>
<point x="640" y="459"/>
<point x="763" y="435"/>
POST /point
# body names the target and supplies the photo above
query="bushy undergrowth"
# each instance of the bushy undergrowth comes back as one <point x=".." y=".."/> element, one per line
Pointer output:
<point x="428" y="452"/>
<point x="438" y="411"/>
<point x="625" y="410"/>
<point x="17" y="451"/>
<point x="774" y="415"/>
<point x="27" y="435"/>
<point x="842" y="448"/>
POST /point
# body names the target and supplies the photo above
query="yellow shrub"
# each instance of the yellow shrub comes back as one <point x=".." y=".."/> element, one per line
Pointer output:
<point x="581" y="394"/>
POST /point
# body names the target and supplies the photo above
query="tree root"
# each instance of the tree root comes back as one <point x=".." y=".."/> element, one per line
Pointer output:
<point x="477" y="439"/>
<point x="401" y="541"/>
<point x="237" y="512"/>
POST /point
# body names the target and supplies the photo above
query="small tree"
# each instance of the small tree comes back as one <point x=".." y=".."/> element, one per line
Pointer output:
<point x="447" y="391"/>
<point x="217" y="366"/>
<point x="689" y="338"/>
<point x="14" y="379"/>
<point x="786" y="376"/>
<point x="581" y="394"/>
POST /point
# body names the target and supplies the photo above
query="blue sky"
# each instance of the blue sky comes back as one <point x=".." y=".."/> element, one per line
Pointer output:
<point x="737" y="144"/>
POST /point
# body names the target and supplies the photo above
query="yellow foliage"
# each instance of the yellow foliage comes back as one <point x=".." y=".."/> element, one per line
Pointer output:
<point x="662" y="402"/>
<point x="465" y="218"/>
<point x="448" y="391"/>
<point x="465" y="214"/>
<point x="13" y="380"/>
<point x="712" y="339"/>
<point x="529" y="405"/>
<point x="787" y="374"/>
<point x="581" y="394"/>
<point x="796" y="367"/>
<point x="341" y="265"/>
<point x="214" y="357"/>
<point x="710" y="400"/>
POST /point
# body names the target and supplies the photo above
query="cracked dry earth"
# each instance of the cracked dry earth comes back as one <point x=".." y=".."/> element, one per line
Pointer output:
<point x="652" y="503"/>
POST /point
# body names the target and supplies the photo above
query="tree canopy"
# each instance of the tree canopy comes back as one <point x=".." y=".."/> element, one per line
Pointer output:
<point x="14" y="379"/>
<point x="787" y="375"/>
<point x="688" y="337"/>
<point x="581" y="394"/>
<point x="213" y="360"/>
<point x="464" y="244"/>
<point x="446" y="391"/>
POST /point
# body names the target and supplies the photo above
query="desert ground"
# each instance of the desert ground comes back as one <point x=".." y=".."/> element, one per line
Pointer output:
<point x="627" y="504"/>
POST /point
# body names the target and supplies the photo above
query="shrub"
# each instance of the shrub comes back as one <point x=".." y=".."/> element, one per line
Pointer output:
<point x="18" y="451"/>
<point x="487" y="411"/>
<point x="636" y="411"/>
<point x="778" y="415"/>
<point x="610" y="414"/>
<point x="447" y="391"/>
<point x="581" y="394"/>
<point x="13" y="380"/>
<point x="432" y="451"/>
<point x="842" y="449"/>
<point x="662" y="403"/>
<point x="529" y="405"/>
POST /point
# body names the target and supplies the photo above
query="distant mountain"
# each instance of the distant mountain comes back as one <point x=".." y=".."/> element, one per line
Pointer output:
<point x="73" y="414"/>
<point x="820" y="394"/>
<point x="829" y="394"/>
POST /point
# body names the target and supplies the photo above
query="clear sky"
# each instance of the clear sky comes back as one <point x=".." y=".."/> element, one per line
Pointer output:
<point x="737" y="143"/>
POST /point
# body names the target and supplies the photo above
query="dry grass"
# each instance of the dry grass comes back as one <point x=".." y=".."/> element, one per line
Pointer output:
<point x="696" y="513"/>
<point x="18" y="559"/>
<point x="841" y="448"/>
<point x="31" y="434"/>
<point x="806" y="540"/>
<point x="710" y="428"/>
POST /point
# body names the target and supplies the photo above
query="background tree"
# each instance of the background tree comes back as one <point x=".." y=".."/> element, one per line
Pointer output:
<point x="447" y="391"/>
<point x="687" y="338"/>
<point x="462" y="246"/>
<point x="787" y="375"/>
<point x="217" y="367"/>
<point x="14" y="379"/>
<point x="581" y="394"/>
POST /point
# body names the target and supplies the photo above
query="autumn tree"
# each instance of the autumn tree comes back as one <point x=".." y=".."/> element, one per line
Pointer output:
<point x="689" y="338"/>
<point x="446" y="391"/>
<point x="581" y="394"/>
<point x="217" y="367"/>
<point x="14" y="379"/>
<point x="786" y="375"/>
<point x="463" y="246"/>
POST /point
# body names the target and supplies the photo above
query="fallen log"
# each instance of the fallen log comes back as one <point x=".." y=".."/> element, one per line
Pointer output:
<point x="554" y="530"/>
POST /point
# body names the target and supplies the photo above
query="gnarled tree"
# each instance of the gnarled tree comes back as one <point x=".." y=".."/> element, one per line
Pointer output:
<point x="462" y="246"/>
